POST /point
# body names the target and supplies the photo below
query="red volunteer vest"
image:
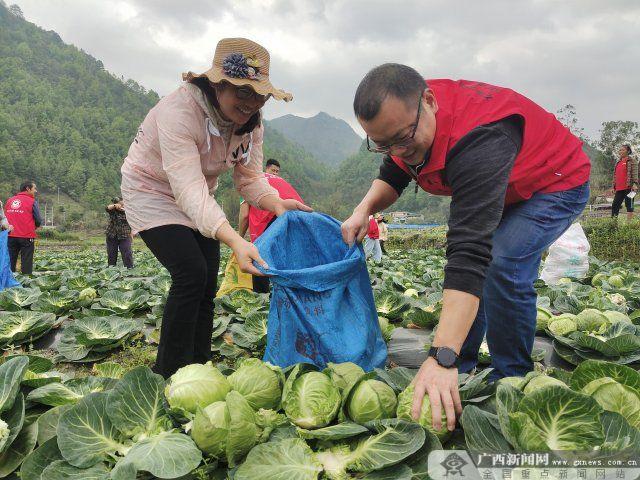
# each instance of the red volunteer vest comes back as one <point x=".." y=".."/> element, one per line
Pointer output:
<point x="260" y="219"/>
<point x="550" y="159"/>
<point x="374" y="231"/>
<point x="19" y="212"/>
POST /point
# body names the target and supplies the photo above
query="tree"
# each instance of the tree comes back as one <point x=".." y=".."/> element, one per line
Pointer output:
<point x="16" y="10"/>
<point x="569" y="118"/>
<point x="615" y="133"/>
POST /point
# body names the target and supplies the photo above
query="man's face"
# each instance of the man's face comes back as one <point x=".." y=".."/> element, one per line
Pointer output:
<point x="272" y="169"/>
<point x="396" y="121"/>
<point x="33" y="190"/>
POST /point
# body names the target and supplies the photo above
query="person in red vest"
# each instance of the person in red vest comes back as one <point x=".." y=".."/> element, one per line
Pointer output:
<point x="23" y="213"/>
<point x="625" y="181"/>
<point x="372" y="241"/>
<point x="517" y="179"/>
<point x="257" y="221"/>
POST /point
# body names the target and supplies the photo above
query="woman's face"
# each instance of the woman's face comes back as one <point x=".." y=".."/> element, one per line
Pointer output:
<point x="238" y="104"/>
<point x="622" y="151"/>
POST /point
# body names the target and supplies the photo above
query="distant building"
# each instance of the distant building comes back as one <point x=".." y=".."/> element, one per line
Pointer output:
<point x="406" y="217"/>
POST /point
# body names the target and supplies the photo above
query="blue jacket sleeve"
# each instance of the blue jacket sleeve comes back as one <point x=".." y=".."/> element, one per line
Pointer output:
<point x="36" y="214"/>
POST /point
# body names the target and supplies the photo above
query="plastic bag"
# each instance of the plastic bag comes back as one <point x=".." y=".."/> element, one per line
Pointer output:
<point x="322" y="308"/>
<point x="568" y="256"/>
<point x="6" y="276"/>
<point x="234" y="278"/>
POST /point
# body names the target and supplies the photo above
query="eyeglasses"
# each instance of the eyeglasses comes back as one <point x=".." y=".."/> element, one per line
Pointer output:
<point x="402" y="143"/>
<point x="244" y="93"/>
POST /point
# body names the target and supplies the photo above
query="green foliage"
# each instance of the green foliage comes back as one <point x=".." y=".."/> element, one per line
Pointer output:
<point x="612" y="239"/>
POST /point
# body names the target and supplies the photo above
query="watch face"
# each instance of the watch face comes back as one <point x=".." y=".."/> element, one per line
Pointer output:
<point x="446" y="357"/>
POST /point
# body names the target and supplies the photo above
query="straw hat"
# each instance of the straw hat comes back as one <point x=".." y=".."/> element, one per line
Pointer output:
<point x="242" y="62"/>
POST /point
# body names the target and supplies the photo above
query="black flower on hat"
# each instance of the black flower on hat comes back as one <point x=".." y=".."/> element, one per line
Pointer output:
<point x="237" y="65"/>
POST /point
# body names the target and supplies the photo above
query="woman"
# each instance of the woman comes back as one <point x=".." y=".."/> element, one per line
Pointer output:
<point x="118" y="234"/>
<point x="210" y="124"/>
<point x="625" y="181"/>
<point x="384" y="231"/>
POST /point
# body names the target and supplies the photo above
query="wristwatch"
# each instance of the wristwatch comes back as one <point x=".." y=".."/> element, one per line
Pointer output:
<point x="445" y="356"/>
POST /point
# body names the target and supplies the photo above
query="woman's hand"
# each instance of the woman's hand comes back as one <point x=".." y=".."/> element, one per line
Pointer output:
<point x="355" y="227"/>
<point x="246" y="253"/>
<point x="290" y="204"/>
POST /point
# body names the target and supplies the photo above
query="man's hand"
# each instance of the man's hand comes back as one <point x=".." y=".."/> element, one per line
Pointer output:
<point x="355" y="227"/>
<point x="441" y="384"/>
<point x="634" y="187"/>
<point x="290" y="204"/>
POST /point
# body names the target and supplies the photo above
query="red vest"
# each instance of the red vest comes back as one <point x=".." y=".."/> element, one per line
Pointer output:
<point x="550" y="159"/>
<point x="19" y="212"/>
<point x="374" y="231"/>
<point x="260" y="219"/>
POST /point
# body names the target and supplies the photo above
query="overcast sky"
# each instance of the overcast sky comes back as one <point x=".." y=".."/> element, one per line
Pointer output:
<point x="582" y="52"/>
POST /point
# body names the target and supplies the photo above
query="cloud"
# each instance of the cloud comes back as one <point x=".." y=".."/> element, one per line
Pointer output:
<point x="579" y="52"/>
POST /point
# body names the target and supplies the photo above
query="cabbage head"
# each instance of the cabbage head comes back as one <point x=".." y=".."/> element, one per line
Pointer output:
<point x="226" y="430"/>
<point x="616" y="281"/>
<point x="615" y="397"/>
<point x="542" y="381"/>
<point x="313" y="401"/>
<point x="345" y="374"/>
<point x="411" y="292"/>
<point x="617" y="298"/>
<point x="405" y="401"/>
<point x="562" y="326"/>
<point x="196" y="386"/>
<point x="542" y="319"/>
<point x="591" y="320"/>
<point x="4" y="433"/>
<point x="598" y="279"/>
<point x="516" y="382"/>
<point x="371" y="400"/>
<point x="260" y="383"/>
<point x="88" y="294"/>
<point x="615" y="317"/>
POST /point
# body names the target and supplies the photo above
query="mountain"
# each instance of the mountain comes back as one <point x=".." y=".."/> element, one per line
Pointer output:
<point x="329" y="139"/>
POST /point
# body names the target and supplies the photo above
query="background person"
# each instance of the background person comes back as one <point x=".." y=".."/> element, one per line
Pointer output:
<point x="23" y="213"/>
<point x="372" y="241"/>
<point x="625" y="181"/>
<point x="211" y="124"/>
<point x="4" y="223"/>
<point x="384" y="231"/>
<point x="257" y="221"/>
<point x="518" y="178"/>
<point x="118" y="234"/>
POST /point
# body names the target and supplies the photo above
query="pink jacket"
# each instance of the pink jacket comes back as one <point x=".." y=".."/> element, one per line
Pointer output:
<point x="173" y="164"/>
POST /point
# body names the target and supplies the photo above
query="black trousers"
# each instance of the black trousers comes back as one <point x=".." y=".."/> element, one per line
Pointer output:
<point x="124" y="244"/>
<point x="621" y="196"/>
<point x="260" y="284"/>
<point x="25" y="247"/>
<point x="382" y="246"/>
<point x="193" y="261"/>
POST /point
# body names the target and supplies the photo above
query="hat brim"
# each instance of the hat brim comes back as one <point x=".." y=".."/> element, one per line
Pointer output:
<point x="261" y="87"/>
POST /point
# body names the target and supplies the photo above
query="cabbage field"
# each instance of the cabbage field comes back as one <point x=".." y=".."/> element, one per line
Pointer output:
<point x="76" y="402"/>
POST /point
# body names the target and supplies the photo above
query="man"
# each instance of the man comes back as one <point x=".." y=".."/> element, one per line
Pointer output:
<point x="517" y="178"/>
<point x="118" y="234"/>
<point x="23" y="213"/>
<point x="257" y="221"/>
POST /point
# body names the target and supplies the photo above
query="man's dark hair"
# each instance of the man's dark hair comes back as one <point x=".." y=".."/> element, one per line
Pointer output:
<point x="26" y="185"/>
<point x="629" y="151"/>
<point x="116" y="200"/>
<point x="400" y="81"/>
<point x="273" y="161"/>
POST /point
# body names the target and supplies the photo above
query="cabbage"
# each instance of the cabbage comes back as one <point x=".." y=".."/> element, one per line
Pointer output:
<point x="411" y="292"/>
<point x="260" y="383"/>
<point x="196" y="386"/>
<point x="616" y="281"/>
<point x="88" y="294"/>
<point x="542" y="319"/>
<point x="403" y="412"/>
<point x="226" y="430"/>
<point x="542" y="381"/>
<point x="617" y="298"/>
<point x="4" y="433"/>
<point x="562" y="326"/>
<point x="614" y="317"/>
<point x="598" y="279"/>
<point x="591" y="320"/>
<point x="371" y="400"/>
<point x="615" y="397"/>
<point x="344" y="374"/>
<point x="516" y="382"/>
<point x="312" y="400"/>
